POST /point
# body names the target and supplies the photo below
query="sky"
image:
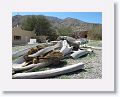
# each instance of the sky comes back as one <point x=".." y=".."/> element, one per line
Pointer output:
<point x="91" y="17"/>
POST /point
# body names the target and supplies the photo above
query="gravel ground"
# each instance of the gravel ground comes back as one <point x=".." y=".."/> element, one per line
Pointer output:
<point x="92" y="69"/>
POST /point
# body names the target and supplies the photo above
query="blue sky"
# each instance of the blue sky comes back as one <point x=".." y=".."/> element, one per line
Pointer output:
<point x="91" y="17"/>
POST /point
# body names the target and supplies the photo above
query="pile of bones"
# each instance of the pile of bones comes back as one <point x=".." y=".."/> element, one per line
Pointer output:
<point x="41" y="56"/>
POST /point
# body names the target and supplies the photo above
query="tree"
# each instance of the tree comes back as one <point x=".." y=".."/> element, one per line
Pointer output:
<point x="28" y="23"/>
<point x="39" y="24"/>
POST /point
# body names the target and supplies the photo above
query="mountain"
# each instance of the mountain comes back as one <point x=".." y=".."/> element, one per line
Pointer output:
<point x="75" y="24"/>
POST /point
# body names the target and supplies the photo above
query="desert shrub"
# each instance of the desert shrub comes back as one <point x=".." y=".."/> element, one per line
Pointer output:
<point x="95" y="33"/>
<point x="53" y="36"/>
<point x="65" y="31"/>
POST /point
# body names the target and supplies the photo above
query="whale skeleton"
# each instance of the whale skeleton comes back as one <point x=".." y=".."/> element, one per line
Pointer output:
<point x="49" y="73"/>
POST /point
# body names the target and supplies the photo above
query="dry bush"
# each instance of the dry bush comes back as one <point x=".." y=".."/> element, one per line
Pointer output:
<point x="95" y="33"/>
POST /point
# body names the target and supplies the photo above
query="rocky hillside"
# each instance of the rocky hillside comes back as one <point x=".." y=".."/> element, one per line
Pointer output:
<point x="75" y="24"/>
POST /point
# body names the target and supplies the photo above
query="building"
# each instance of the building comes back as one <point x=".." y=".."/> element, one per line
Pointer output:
<point x="20" y="36"/>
